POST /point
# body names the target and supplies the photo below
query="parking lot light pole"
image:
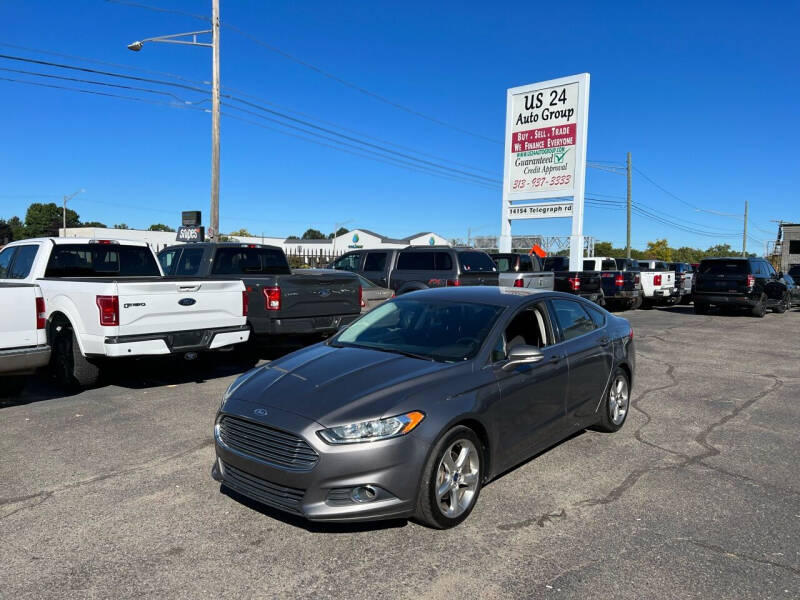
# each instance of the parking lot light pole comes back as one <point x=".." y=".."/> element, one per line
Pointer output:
<point x="64" y="209"/>
<point x="190" y="39"/>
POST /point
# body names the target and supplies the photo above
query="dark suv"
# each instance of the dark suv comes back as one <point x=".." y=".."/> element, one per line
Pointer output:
<point x="420" y="267"/>
<point x="750" y="283"/>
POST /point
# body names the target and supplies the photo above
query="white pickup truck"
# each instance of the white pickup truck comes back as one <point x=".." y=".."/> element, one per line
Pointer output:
<point x="658" y="283"/>
<point x="23" y="342"/>
<point x="108" y="298"/>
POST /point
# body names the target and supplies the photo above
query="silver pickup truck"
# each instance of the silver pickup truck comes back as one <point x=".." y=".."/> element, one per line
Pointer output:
<point x="23" y="342"/>
<point x="522" y="270"/>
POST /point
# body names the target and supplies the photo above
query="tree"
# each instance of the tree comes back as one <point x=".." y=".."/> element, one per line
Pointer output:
<point x="659" y="249"/>
<point x="338" y="232"/>
<point x="121" y="226"/>
<point x="721" y="250"/>
<point x="44" y="220"/>
<point x="313" y="234"/>
<point x="6" y="234"/>
<point x="97" y="224"/>
<point x="292" y="237"/>
<point x="155" y="227"/>
<point x="241" y="233"/>
<point x="17" y="228"/>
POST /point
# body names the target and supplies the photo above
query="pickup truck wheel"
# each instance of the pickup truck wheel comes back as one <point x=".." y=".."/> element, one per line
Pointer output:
<point x="12" y="386"/>
<point x="72" y="370"/>
<point x="614" y="409"/>
<point x="781" y="307"/>
<point x="637" y="303"/>
<point x="760" y="309"/>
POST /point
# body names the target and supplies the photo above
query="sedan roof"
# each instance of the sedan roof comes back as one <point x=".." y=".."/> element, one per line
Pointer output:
<point x="484" y="294"/>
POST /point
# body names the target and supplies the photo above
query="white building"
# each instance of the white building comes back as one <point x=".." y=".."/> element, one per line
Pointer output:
<point x="352" y="240"/>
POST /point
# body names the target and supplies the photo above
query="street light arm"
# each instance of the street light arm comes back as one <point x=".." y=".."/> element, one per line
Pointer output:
<point x="174" y="38"/>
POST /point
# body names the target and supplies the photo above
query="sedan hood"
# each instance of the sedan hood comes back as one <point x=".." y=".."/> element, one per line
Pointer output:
<point x="333" y="386"/>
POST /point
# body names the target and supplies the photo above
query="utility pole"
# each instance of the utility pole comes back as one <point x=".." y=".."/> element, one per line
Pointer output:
<point x="215" y="119"/>
<point x="469" y="235"/>
<point x="744" y="235"/>
<point x="64" y="209"/>
<point x="190" y="39"/>
<point x="628" y="239"/>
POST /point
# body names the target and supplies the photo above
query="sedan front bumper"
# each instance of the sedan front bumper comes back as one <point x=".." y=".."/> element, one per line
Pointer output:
<point x="251" y="463"/>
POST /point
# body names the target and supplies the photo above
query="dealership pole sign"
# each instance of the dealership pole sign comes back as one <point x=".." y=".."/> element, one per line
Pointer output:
<point x="545" y="156"/>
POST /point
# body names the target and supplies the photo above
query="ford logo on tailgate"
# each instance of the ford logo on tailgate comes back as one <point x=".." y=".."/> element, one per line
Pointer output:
<point x="187" y="301"/>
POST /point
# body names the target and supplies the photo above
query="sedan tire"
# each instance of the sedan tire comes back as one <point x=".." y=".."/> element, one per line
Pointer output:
<point x="451" y="479"/>
<point x="617" y="403"/>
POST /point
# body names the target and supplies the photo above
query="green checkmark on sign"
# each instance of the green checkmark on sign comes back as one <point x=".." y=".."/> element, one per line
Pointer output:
<point x="560" y="157"/>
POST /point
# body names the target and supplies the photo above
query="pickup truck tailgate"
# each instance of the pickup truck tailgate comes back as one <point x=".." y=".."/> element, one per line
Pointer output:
<point x="318" y="295"/>
<point x="178" y="305"/>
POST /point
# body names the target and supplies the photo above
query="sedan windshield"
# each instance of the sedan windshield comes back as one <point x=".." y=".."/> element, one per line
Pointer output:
<point x="433" y="330"/>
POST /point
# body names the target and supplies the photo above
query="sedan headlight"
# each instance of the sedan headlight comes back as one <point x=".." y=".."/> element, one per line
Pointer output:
<point x="374" y="430"/>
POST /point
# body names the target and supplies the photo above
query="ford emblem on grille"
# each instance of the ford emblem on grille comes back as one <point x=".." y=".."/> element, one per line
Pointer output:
<point x="261" y="412"/>
<point x="186" y="301"/>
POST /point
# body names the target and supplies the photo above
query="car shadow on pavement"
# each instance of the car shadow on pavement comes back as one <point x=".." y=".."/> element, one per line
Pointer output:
<point x="311" y="526"/>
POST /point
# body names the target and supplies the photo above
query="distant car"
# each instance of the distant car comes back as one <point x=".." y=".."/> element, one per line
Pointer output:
<point x="522" y="270"/>
<point x="684" y="280"/>
<point x="416" y="405"/>
<point x="792" y="289"/>
<point x="748" y="283"/>
<point x="420" y="267"/>
<point x="372" y="295"/>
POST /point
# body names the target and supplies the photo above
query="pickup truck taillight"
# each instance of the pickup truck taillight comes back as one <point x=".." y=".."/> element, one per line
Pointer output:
<point x="41" y="314"/>
<point x="751" y="281"/>
<point x="272" y="298"/>
<point x="109" y="310"/>
<point x="519" y="283"/>
<point x="361" y="302"/>
<point x="245" y="303"/>
<point x="619" y="281"/>
<point x="637" y="279"/>
<point x="656" y="279"/>
<point x="453" y="282"/>
<point x="575" y="284"/>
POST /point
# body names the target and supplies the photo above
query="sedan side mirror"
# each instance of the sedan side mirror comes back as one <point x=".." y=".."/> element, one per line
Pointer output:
<point x="522" y="355"/>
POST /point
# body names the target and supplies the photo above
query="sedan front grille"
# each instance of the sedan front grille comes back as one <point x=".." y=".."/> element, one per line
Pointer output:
<point x="266" y="492"/>
<point x="267" y="444"/>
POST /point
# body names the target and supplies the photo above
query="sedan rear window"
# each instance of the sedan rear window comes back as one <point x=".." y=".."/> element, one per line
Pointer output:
<point x="442" y="331"/>
<point x="101" y="260"/>
<point x="723" y="267"/>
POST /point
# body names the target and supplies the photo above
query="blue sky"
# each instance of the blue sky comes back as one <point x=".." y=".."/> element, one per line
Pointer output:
<point x="703" y="94"/>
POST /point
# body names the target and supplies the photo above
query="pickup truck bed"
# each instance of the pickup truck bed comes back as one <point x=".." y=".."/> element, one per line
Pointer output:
<point x="280" y="302"/>
<point x="108" y="298"/>
<point x="23" y="343"/>
<point x="587" y="284"/>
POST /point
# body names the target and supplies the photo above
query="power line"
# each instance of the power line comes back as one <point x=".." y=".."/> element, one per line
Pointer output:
<point x="105" y="63"/>
<point x="248" y="103"/>
<point x="114" y="85"/>
<point x="681" y="200"/>
<point x="173" y="11"/>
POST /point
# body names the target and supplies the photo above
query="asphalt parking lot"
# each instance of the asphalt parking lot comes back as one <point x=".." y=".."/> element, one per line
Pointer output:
<point x="108" y="493"/>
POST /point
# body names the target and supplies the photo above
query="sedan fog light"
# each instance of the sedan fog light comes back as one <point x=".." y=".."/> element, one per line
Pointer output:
<point x="364" y="493"/>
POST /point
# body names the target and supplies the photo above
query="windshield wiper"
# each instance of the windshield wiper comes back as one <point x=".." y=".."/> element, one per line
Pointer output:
<point x="382" y="349"/>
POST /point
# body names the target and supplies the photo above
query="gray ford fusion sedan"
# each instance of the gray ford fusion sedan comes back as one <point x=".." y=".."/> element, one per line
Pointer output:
<point x="415" y="406"/>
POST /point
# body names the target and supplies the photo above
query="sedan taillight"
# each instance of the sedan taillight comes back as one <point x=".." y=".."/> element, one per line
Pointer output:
<point x="41" y="314"/>
<point x="109" y="310"/>
<point x="272" y="298"/>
